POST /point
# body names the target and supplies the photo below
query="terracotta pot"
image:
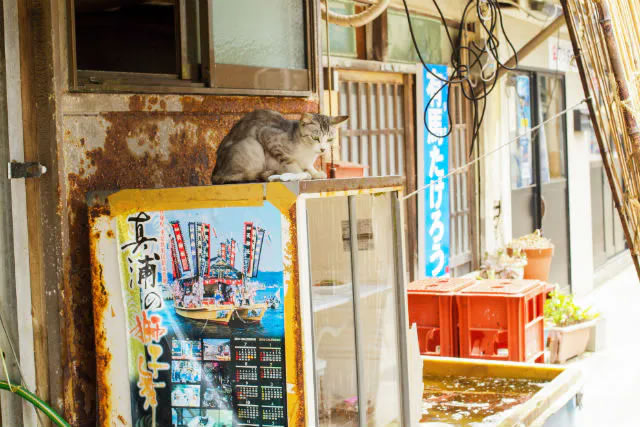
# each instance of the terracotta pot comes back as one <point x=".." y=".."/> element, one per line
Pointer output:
<point x="346" y="169"/>
<point x="538" y="263"/>
<point x="570" y="341"/>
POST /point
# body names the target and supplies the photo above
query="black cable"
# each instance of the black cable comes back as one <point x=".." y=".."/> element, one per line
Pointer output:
<point x="477" y="92"/>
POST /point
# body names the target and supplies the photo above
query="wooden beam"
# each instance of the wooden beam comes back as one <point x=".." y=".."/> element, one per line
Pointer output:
<point x="377" y="44"/>
<point x="536" y="41"/>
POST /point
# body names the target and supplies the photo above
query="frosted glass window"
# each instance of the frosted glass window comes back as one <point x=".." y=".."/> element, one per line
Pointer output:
<point x="428" y="34"/>
<point x="342" y="39"/>
<point x="260" y="33"/>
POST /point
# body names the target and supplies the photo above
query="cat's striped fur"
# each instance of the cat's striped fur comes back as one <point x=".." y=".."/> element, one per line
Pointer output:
<point x="264" y="143"/>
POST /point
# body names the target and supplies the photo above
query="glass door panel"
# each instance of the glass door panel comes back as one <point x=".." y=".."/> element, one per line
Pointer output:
<point x="333" y="312"/>
<point x="523" y="191"/>
<point x="554" y="206"/>
<point x="376" y="289"/>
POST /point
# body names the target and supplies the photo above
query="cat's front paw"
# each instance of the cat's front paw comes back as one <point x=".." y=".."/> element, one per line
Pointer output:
<point x="286" y="177"/>
<point x="319" y="175"/>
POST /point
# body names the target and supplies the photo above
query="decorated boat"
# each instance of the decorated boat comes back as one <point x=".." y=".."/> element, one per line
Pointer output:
<point x="250" y="313"/>
<point x="212" y="289"/>
<point x="218" y="314"/>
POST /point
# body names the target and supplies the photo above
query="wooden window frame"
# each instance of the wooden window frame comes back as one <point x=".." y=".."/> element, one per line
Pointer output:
<point x="207" y="77"/>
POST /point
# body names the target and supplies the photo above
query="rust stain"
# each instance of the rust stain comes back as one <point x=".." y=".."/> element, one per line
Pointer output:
<point x="239" y="104"/>
<point x="136" y="103"/>
<point x="186" y="160"/>
<point x="100" y="303"/>
<point x="291" y="253"/>
<point x="110" y="234"/>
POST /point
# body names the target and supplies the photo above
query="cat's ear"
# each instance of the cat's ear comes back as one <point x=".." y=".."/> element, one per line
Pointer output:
<point x="338" y="120"/>
<point x="306" y="118"/>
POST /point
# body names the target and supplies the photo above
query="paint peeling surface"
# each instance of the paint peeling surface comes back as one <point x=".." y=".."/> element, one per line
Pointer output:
<point x="130" y="141"/>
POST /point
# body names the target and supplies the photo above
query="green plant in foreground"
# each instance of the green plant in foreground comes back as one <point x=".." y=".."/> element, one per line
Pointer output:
<point x="562" y="311"/>
<point x="35" y="401"/>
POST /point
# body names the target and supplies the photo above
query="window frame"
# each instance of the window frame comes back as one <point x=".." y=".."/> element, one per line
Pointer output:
<point x="197" y="78"/>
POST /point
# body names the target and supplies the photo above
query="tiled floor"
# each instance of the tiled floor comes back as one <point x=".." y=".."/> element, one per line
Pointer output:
<point x="612" y="384"/>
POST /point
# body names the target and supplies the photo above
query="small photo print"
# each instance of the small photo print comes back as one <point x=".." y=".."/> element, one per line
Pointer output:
<point x="186" y="349"/>
<point x="219" y="418"/>
<point x="185" y="395"/>
<point x="186" y="417"/>
<point x="217" y="390"/>
<point x="217" y="349"/>
<point x="186" y="371"/>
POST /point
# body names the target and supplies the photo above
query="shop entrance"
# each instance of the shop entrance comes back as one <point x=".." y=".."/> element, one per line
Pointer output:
<point x="539" y="196"/>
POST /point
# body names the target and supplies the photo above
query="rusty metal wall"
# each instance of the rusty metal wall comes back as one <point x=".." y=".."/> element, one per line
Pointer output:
<point x="115" y="141"/>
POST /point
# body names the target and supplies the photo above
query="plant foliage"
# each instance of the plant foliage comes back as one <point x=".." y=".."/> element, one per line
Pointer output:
<point x="562" y="311"/>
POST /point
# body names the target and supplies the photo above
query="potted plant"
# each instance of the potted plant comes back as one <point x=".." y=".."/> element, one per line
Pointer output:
<point x="501" y="265"/>
<point x="539" y="251"/>
<point x="569" y="326"/>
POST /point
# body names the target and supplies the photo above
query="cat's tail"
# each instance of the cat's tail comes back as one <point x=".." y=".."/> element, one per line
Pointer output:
<point x="217" y="179"/>
<point x="234" y="178"/>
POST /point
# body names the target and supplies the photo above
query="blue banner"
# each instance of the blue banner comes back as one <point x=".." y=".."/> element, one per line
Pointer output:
<point x="436" y="166"/>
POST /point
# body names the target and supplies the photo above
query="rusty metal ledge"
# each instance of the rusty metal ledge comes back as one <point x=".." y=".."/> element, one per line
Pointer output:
<point x="347" y="184"/>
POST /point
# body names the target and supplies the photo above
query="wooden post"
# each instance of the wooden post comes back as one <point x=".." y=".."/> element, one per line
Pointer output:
<point x="618" y="74"/>
<point x="604" y="152"/>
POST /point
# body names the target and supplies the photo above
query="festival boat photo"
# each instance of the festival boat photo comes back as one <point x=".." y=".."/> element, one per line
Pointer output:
<point x="216" y="291"/>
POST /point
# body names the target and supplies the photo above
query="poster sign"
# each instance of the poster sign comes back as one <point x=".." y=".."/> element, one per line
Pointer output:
<point x="561" y="55"/>
<point x="207" y="347"/>
<point x="436" y="166"/>
<point x="521" y="162"/>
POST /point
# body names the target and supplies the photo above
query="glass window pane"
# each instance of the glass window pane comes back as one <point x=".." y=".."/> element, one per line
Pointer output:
<point x="376" y="282"/>
<point x="519" y="113"/>
<point x="342" y="39"/>
<point x="428" y="34"/>
<point x="137" y="37"/>
<point x="333" y="319"/>
<point x="259" y="33"/>
<point x="552" y="164"/>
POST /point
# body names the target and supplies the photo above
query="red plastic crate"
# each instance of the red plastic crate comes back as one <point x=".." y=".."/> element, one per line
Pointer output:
<point x="432" y="309"/>
<point x="502" y="320"/>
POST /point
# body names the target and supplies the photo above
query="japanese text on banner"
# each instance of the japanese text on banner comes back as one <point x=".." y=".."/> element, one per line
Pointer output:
<point x="436" y="166"/>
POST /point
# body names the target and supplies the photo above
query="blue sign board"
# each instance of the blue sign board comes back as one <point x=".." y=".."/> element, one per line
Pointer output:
<point x="436" y="166"/>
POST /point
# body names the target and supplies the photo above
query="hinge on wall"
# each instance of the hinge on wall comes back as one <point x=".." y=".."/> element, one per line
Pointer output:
<point x="26" y="170"/>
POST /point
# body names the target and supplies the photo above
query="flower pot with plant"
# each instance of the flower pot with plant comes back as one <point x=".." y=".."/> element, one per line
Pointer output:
<point x="569" y="327"/>
<point x="501" y="265"/>
<point x="539" y="251"/>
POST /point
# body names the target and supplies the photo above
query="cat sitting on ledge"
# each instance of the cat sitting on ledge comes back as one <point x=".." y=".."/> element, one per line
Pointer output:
<point x="265" y="146"/>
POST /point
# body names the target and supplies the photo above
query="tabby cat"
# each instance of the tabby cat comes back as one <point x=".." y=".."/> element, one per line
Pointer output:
<point x="265" y="146"/>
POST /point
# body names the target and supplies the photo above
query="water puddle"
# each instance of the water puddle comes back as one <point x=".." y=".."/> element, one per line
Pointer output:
<point x="473" y="401"/>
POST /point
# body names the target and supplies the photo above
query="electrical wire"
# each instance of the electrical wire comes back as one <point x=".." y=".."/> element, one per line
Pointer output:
<point x="476" y="91"/>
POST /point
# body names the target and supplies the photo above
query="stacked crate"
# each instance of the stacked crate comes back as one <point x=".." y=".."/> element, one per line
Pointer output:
<point x="486" y="319"/>
<point x="432" y="308"/>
